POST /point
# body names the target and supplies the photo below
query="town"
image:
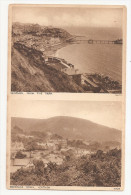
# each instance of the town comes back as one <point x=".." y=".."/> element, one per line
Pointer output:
<point x="54" y="149"/>
<point x="48" y="40"/>
<point x="28" y="147"/>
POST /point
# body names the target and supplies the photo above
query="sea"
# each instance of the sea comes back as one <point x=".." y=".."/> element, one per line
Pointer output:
<point x="103" y="59"/>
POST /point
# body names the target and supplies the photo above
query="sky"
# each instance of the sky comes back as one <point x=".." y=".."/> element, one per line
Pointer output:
<point x="105" y="113"/>
<point x="76" y="16"/>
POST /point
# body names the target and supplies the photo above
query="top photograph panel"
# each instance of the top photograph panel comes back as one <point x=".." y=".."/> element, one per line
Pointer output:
<point x="73" y="49"/>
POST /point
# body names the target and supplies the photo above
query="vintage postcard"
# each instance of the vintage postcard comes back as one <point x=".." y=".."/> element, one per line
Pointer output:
<point x="65" y="145"/>
<point x="67" y="48"/>
<point x="66" y="97"/>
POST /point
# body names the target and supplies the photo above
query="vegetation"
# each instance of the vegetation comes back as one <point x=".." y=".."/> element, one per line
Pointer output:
<point x="77" y="144"/>
<point x="39" y="31"/>
<point x="31" y="43"/>
<point x="106" y="82"/>
<point x="30" y="73"/>
<point x="98" y="169"/>
<point x="20" y="155"/>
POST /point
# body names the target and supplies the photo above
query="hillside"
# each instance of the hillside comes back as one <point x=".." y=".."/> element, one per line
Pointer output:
<point x="38" y="30"/>
<point x="39" y="37"/>
<point x="29" y="72"/>
<point x="69" y="127"/>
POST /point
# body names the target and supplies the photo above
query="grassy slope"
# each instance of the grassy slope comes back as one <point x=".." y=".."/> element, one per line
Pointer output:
<point x="69" y="127"/>
<point x="31" y="74"/>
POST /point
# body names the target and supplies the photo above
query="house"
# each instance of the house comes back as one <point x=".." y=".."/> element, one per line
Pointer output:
<point x="30" y="164"/>
<point x="45" y="162"/>
<point x="17" y="164"/>
<point x="86" y="142"/>
<point x="20" y="162"/>
<point x="63" y="143"/>
<point x="80" y="152"/>
<point x="70" y="70"/>
<point x="53" y="59"/>
<point x="46" y="58"/>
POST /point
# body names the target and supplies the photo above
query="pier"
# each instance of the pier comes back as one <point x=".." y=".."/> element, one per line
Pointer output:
<point x="118" y="41"/>
<point x="100" y="42"/>
<point x="91" y="41"/>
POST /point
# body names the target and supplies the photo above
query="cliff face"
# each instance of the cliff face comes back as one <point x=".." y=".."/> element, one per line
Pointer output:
<point x="30" y="73"/>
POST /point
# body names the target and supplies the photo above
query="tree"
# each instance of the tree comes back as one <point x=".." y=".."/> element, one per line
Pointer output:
<point x="39" y="167"/>
<point x="20" y="155"/>
<point x="31" y="145"/>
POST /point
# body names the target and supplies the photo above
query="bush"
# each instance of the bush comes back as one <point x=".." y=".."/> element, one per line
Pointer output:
<point x="101" y="169"/>
<point x="20" y="155"/>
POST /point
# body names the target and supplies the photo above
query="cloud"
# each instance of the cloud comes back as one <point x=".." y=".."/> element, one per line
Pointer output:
<point x="60" y="16"/>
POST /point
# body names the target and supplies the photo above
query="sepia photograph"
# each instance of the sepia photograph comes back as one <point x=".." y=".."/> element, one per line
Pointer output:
<point x="66" y="48"/>
<point x="65" y="144"/>
<point x="66" y="97"/>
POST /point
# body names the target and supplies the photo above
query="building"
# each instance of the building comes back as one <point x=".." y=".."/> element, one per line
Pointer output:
<point x="63" y="143"/>
<point x="54" y="60"/>
<point x="20" y="162"/>
<point x="70" y="71"/>
<point x="30" y="165"/>
<point x="81" y="152"/>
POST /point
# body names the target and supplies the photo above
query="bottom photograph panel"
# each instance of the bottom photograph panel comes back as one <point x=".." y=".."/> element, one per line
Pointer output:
<point x="73" y="145"/>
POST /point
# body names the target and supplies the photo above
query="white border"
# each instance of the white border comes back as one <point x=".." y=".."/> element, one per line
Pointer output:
<point x="3" y="93"/>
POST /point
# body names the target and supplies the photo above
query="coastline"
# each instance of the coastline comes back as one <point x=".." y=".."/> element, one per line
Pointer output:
<point x="51" y="50"/>
<point x="102" y="81"/>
